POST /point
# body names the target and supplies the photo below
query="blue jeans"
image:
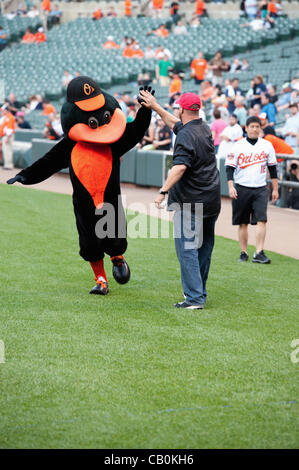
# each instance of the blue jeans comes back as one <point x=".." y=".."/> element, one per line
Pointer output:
<point x="195" y="261"/>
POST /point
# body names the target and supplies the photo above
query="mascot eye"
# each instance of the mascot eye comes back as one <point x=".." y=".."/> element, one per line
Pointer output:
<point x="107" y="117"/>
<point x="93" y="122"/>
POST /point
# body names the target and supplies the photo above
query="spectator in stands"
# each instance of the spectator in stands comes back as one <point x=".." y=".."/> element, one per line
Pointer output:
<point x="55" y="15"/>
<point x="255" y="110"/>
<point x="162" y="31"/>
<point x="180" y="28"/>
<point x="35" y="103"/>
<point x="128" y="8"/>
<point x="245" y="65"/>
<point x="7" y="132"/>
<point x="149" y="52"/>
<point x="110" y="43"/>
<point x="240" y="111"/>
<point x="46" y="9"/>
<point x="3" y="38"/>
<point x="97" y="15"/>
<point x="207" y="91"/>
<point x="262" y="10"/>
<point x="291" y="128"/>
<point x="242" y="12"/>
<point x="162" y="138"/>
<point x="33" y="12"/>
<point x="268" y="108"/>
<point x="251" y="8"/>
<point x="217" y="127"/>
<point x="236" y="65"/>
<point x="40" y="36"/>
<point x="111" y="13"/>
<point x="266" y="127"/>
<point x="161" y="51"/>
<point x="272" y="9"/>
<point x="48" y="108"/>
<point x="229" y="136"/>
<point x="271" y="90"/>
<point x="218" y="65"/>
<point x="220" y="103"/>
<point x="53" y="129"/>
<point x="20" y="121"/>
<point x="231" y="92"/>
<point x="28" y="37"/>
<point x="200" y="8"/>
<point x="194" y="22"/>
<point x="67" y="77"/>
<point x="259" y="88"/>
<point x="125" y="42"/>
<point x="175" y="86"/>
<point x="162" y="70"/>
<point x="157" y="6"/>
<point x="144" y="78"/>
<point x="148" y="138"/>
<point x="293" y="175"/>
<point x="285" y="98"/>
<point x="13" y="106"/>
<point x="198" y="68"/>
<point x="174" y="11"/>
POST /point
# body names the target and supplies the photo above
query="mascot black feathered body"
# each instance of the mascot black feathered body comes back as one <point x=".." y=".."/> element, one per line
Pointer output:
<point x="96" y="135"/>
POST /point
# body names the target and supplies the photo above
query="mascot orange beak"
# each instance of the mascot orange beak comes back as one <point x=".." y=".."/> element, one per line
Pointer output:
<point x="106" y="134"/>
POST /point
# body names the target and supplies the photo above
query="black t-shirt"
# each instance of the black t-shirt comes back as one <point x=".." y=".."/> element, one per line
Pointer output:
<point x="269" y="130"/>
<point x="164" y="134"/>
<point x="200" y="182"/>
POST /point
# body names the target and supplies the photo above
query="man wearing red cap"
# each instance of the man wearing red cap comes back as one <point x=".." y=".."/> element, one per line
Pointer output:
<point x="193" y="185"/>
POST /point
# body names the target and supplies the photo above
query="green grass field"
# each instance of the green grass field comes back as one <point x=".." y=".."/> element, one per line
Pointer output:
<point x="129" y="370"/>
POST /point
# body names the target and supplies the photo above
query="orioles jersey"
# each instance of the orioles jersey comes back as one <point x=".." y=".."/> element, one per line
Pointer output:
<point x="251" y="161"/>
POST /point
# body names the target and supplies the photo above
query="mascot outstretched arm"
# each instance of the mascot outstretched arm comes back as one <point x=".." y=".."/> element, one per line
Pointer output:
<point x="96" y="136"/>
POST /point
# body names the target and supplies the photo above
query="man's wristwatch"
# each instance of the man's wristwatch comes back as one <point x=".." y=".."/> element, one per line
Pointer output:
<point x="163" y="192"/>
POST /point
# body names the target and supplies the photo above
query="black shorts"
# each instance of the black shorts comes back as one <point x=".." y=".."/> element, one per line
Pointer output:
<point x="251" y="205"/>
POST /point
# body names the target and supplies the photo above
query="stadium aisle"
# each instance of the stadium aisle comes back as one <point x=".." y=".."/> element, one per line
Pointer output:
<point x="283" y="224"/>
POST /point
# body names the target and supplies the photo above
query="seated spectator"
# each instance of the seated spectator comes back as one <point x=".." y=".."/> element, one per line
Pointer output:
<point x="198" y="68"/>
<point x="162" y="31"/>
<point x="33" y="12"/>
<point x="218" y="65"/>
<point x="20" y="121"/>
<point x="207" y="91"/>
<point x="40" y="36"/>
<point x="259" y="88"/>
<point x="268" y="108"/>
<point x="162" y="139"/>
<point x="291" y="128"/>
<point x="161" y="51"/>
<point x="149" y="52"/>
<point x="240" y="111"/>
<point x="220" y="103"/>
<point x="265" y="126"/>
<point x="144" y="78"/>
<point x="67" y="77"/>
<point x="28" y="37"/>
<point x="110" y="43"/>
<point x="13" y="106"/>
<point x="55" y="15"/>
<point x="231" y="92"/>
<point x="195" y="21"/>
<point x="53" y="129"/>
<point x="48" y="108"/>
<point x="271" y="90"/>
<point x="97" y="15"/>
<point x="285" y="98"/>
<point x="125" y="42"/>
<point x="245" y="65"/>
<point x="179" y="28"/>
<point x="111" y="13"/>
<point x="148" y="138"/>
<point x="3" y="38"/>
<point x="217" y="127"/>
<point x="236" y="65"/>
<point x="128" y="8"/>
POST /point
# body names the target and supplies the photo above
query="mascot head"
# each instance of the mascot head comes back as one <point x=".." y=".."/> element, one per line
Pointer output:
<point x="90" y="114"/>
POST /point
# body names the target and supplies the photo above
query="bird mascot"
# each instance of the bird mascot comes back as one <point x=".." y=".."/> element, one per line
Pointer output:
<point x="96" y="135"/>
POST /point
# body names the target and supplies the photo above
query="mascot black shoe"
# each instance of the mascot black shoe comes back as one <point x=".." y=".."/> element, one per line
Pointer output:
<point x="96" y="135"/>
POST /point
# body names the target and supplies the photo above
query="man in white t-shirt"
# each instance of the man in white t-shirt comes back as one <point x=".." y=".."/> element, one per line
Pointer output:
<point x="246" y="166"/>
<point x="231" y="134"/>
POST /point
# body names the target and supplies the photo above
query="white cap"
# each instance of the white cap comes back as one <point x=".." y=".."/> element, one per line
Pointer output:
<point x="40" y="30"/>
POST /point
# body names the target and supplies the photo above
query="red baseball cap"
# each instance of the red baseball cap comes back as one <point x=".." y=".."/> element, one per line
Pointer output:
<point x="190" y="101"/>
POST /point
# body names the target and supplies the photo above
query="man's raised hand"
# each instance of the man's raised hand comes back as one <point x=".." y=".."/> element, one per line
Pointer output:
<point x="146" y="96"/>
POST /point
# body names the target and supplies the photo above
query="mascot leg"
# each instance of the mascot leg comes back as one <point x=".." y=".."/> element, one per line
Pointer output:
<point x="101" y="287"/>
<point x="120" y="270"/>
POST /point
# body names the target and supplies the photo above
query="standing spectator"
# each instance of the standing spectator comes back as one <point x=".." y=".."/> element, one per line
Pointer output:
<point x="232" y="91"/>
<point x="174" y="9"/>
<point x="246" y="166"/>
<point x="175" y="85"/>
<point x="293" y="175"/>
<point x="194" y="178"/>
<point x="3" y="38"/>
<point x="217" y="127"/>
<point x="240" y="111"/>
<point x="229" y="136"/>
<point x="20" y="121"/>
<point x="162" y="71"/>
<point x="259" y="87"/>
<point x="272" y="9"/>
<point x="200" y="8"/>
<point x="128" y="8"/>
<point x="198" y="68"/>
<point x="291" y="128"/>
<point x="46" y="9"/>
<point x="157" y="6"/>
<point x="268" y="108"/>
<point x="251" y="8"/>
<point x="218" y="65"/>
<point x="55" y="15"/>
<point x="265" y="126"/>
<point x="97" y="15"/>
<point x="7" y="133"/>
